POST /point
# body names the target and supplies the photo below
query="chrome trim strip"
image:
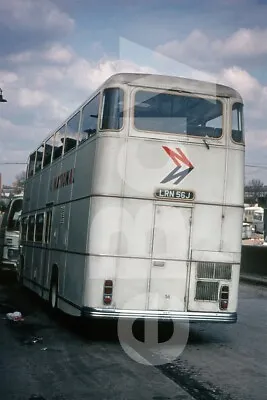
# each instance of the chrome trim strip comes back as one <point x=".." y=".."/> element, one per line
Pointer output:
<point x="8" y="265"/>
<point x="190" y="316"/>
<point x="241" y="206"/>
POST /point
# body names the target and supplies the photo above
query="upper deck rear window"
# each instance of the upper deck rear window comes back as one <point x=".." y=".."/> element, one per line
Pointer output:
<point x="178" y="114"/>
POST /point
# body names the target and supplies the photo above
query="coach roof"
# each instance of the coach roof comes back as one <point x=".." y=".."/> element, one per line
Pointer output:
<point x="161" y="82"/>
<point x="173" y="83"/>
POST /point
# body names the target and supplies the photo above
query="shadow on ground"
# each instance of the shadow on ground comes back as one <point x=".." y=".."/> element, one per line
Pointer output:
<point x="14" y="298"/>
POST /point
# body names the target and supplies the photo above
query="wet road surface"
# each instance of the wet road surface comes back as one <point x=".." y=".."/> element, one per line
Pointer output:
<point x="58" y="358"/>
<point x="228" y="361"/>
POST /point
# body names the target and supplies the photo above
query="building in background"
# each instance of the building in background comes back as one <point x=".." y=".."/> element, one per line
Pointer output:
<point x="251" y="197"/>
<point x="7" y="191"/>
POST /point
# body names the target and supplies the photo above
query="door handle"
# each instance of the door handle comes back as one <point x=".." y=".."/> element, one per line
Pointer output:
<point x="159" y="263"/>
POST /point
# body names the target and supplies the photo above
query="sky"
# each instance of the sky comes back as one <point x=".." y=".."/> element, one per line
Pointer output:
<point x="54" y="53"/>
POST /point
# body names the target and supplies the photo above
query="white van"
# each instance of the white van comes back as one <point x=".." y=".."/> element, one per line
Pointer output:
<point x="10" y="234"/>
<point x="255" y="216"/>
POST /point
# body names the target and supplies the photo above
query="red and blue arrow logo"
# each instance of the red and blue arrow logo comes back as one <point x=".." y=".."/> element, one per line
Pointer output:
<point x="181" y="161"/>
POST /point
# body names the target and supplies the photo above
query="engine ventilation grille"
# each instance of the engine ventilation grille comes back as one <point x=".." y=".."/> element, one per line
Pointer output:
<point x="211" y="270"/>
<point x="208" y="291"/>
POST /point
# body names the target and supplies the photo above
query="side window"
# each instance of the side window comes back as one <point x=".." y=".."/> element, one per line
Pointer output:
<point x="112" y="117"/>
<point x="72" y="132"/>
<point x="31" y="223"/>
<point x="48" y="151"/>
<point x="58" y="143"/>
<point x="48" y="226"/>
<point x="31" y="165"/>
<point x="39" y="227"/>
<point x="13" y="223"/>
<point x="39" y="158"/>
<point x="89" y="119"/>
<point x="24" y="223"/>
<point x="237" y="123"/>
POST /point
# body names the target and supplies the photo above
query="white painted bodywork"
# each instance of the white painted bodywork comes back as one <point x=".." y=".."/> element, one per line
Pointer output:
<point x="247" y="231"/>
<point x="115" y="228"/>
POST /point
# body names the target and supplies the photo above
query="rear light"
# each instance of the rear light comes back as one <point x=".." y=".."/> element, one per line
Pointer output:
<point x="224" y="297"/>
<point x="108" y="291"/>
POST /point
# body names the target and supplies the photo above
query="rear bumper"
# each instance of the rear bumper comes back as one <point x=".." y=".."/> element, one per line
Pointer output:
<point x="192" y="316"/>
<point x="10" y="258"/>
<point x="8" y="265"/>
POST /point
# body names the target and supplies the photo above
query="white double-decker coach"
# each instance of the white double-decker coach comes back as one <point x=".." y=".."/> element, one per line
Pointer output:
<point x="133" y="207"/>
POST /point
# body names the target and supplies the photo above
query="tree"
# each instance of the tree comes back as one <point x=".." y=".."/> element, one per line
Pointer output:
<point x="255" y="188"/>
<point x="3" y="205"/>
<point x="19" y="182"/>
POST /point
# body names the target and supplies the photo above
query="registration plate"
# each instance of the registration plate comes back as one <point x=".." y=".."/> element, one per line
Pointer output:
<point x="183" y="195"/>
